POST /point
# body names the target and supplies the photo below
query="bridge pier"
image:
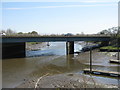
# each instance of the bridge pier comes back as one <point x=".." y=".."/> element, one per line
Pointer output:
<point x="70" y="47"/>
<point x="13" y="50"/>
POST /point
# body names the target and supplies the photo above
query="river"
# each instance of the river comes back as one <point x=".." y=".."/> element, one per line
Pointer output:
<point x="50" y="59"/>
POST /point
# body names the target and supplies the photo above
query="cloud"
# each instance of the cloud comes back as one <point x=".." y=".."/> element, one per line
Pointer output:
<point x="64" y="6"/>
<point x="87" y="1"/>
<point x="14" y="8"/>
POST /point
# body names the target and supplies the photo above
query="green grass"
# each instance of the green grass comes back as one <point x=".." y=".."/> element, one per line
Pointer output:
<point x="32" y="43"/>
<point x="109" y="47"/>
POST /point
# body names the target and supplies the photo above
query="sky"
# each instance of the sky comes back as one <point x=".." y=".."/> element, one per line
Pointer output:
<point x="58" y="16"/>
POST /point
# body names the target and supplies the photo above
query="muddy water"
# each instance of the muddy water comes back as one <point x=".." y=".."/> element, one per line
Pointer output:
<point x="53" y="60"/>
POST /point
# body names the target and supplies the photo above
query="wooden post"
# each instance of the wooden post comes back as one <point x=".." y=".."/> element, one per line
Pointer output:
<point x="118" y="57"/>
<point x="118" y="48"/>
<point x="91" y="60"/>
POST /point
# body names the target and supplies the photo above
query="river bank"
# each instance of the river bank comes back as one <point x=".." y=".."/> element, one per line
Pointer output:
<point x="34" y="46"/>
<point x="76" y="79"/>
<point x="68" y="80"/>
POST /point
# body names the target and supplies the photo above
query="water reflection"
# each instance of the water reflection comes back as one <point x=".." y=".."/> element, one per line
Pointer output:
<point x="55" y="48"/>
<point x="70" y="61"/>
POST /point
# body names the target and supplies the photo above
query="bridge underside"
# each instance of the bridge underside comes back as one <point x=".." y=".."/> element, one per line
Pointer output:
<point x="13" y="50"/>
<point x="18" y="50"/>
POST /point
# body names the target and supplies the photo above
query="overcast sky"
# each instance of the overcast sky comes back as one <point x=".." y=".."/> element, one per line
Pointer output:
<point x="88" y="16"/>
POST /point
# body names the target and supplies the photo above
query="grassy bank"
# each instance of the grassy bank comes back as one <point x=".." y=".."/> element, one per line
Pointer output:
<point x="32" y="43"/>
<point x="109" y="48"/>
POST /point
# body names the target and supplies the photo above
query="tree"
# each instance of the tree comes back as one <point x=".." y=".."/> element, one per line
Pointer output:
<point x="110" y="31"/>
<point x="77" y="34"/>
<point x="103" y="32"/>
<point x="10" y="32"/>
<point x="20" y="32"/>
<point x="2" y="31"/>
<point x="34" y="32"/>
<point x="114" y="32"/>
<point x="29" y="32"/>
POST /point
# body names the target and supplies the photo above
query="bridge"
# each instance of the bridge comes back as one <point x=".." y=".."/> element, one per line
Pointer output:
<point x="11" y="39"/>
<point x="14" y="46"/>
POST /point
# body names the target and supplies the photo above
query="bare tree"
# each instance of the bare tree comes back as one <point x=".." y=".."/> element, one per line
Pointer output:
<point x="10" y="32"/>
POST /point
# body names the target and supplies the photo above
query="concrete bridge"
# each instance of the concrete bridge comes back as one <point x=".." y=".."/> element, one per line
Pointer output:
<point x="14" y="46"/>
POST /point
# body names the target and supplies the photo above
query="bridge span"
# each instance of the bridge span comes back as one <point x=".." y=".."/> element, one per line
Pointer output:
<point x="14" y="46"/>
<point x="11" y="39"/>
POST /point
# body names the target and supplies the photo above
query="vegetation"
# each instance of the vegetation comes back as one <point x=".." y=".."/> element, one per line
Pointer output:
<point x="10" y="32"/>
<point x="114" y="32"/>
<point x="20" y="32"/>
<point x="33" y="33"/>
<point x="111" y="31"/>
<point x="32" y="43"/>
<point x="109" y="48"/>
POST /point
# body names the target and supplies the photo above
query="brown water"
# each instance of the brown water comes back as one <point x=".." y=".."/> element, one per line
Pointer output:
<point x="53" y="60"/>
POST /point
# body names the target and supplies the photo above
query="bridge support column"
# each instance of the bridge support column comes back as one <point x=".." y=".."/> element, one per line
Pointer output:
<point x="13" y="50"/>
<point x="70" y="47"/>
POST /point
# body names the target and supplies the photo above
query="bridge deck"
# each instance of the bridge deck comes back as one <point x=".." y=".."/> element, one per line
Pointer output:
<point x="9" y="39"/>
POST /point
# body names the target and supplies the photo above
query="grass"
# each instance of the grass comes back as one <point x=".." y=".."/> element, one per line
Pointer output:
<point x="32" y="43"/>
<point x="109" y="47"/>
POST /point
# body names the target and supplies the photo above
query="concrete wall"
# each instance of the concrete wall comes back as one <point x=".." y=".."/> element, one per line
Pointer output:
<point x="13" y="50"/>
